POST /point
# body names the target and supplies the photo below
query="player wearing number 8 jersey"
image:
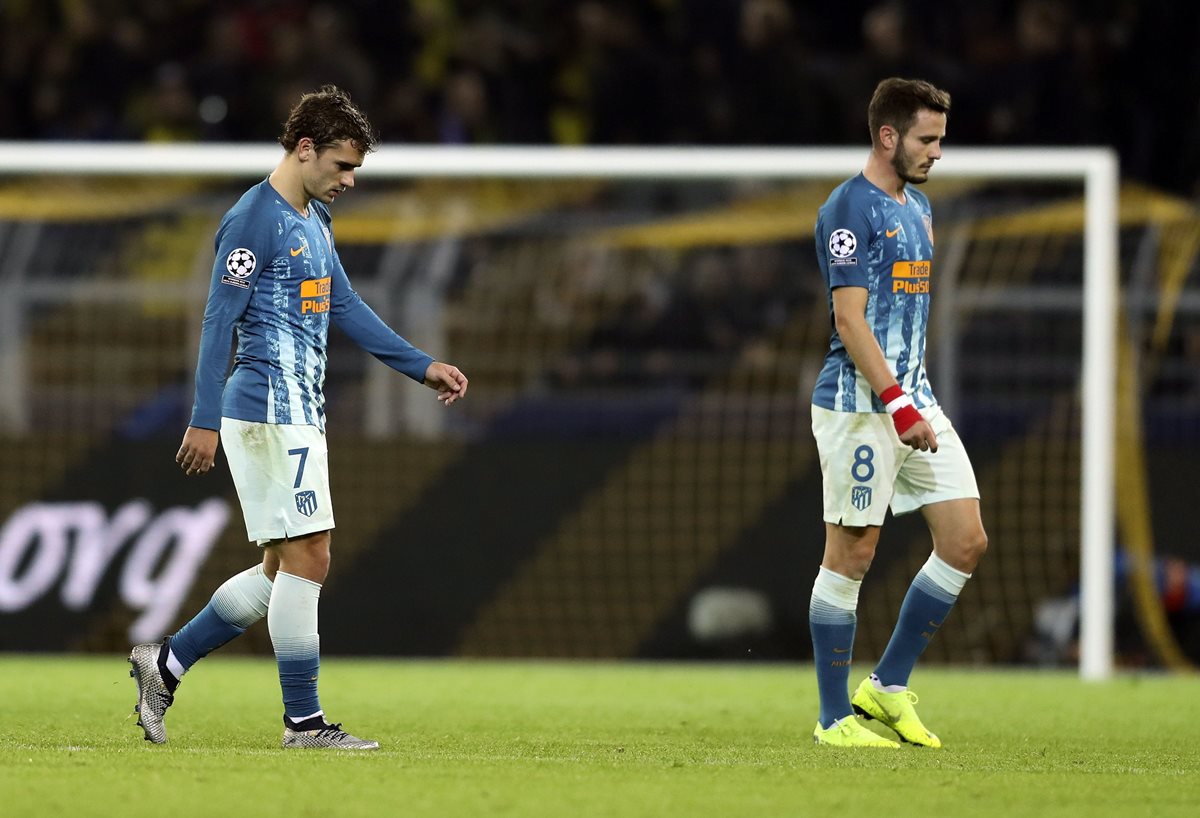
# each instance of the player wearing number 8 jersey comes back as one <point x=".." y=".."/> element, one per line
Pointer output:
<point x="883" y="440"/>
<point x="277" y="284"/>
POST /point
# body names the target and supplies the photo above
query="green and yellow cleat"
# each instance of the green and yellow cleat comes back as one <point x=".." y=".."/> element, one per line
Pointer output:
<point x="848" y="732"/>
<point x="894" y="711"/>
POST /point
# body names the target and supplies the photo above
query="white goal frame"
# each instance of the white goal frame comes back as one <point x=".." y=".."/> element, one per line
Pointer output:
<point x="1096" y="168"/>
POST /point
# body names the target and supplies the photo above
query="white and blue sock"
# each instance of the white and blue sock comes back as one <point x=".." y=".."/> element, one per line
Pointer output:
<point x="240" y="602"/>
<point x="292" y="620"/>
<point x="832" y="619"/>
<point x="932" y="594"/>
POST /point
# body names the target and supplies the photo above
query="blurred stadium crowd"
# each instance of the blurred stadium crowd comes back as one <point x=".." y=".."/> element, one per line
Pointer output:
<point x="732" y="72"/>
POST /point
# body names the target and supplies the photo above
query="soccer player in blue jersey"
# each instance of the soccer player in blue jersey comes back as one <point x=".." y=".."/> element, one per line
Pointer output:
<point x="276" y="285"/>
<point x="881" y="437"/>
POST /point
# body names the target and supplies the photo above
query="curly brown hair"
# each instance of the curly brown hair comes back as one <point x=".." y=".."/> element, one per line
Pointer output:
<point x="897" y="102"/>
<point x="327" y="116"/>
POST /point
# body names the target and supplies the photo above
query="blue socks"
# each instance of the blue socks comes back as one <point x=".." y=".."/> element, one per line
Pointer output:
<point x="290" y="605"/>
<point x="292" y="620"/>
<point x="240" y="602"/>
<point x="932" y="594"/>
<point x="832" y="621"/>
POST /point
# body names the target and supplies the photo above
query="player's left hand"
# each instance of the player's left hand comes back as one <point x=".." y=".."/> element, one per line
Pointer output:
<point x="450" y="383"/>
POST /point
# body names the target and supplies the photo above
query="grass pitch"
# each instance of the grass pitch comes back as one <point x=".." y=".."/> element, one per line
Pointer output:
<point x="587" y="739"/>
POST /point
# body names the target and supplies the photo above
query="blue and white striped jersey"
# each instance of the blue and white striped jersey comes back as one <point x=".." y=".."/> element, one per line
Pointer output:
<point x="277" y="281"/>
<point x="865" y="238"/>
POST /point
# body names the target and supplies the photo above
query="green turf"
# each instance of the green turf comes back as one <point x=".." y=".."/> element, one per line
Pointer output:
<point x="566" y="739"/>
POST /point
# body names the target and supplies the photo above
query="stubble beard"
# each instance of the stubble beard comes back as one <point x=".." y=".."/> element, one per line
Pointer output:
<point x="902" y="164"/>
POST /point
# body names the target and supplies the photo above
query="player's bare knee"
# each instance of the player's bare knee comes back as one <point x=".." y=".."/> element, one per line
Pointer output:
<point x="320" y="565"/>
<point x="318" y="557"/>
<point x="861" y="557"/>
<point x="966" y="552"/>
<point x="851" y="560"/>
<point x="977" y="546"/>
<point x="270" y="563"/>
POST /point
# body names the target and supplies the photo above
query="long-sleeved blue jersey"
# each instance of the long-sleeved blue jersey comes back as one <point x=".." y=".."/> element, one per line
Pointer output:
<point x="865" y="238"/>
<point x="277" y="281"/>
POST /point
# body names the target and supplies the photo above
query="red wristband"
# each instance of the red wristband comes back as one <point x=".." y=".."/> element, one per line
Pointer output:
<point x="905" y="418"/>
<point x="900" y="407"/>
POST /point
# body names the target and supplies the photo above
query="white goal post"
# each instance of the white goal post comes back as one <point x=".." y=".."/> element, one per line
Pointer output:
<point x="1095" y="168"/>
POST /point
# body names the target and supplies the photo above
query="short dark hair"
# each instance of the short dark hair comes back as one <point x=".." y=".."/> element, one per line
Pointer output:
<point x="897" y="102"/>
<point x="327" y="116"/>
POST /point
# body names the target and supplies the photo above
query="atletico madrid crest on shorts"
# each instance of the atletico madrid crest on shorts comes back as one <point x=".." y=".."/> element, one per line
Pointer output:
<point x="860" y="497"/>
<point x="306" y="502"/>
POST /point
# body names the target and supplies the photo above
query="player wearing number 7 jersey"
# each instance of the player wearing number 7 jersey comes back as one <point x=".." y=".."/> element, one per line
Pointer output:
<point x="882" y="439"/>
<point x="276" y="285"/>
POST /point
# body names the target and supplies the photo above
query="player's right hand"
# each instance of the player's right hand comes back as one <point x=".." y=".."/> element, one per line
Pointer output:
<point x="920" y="436"/>
<point x="198" y="452"/>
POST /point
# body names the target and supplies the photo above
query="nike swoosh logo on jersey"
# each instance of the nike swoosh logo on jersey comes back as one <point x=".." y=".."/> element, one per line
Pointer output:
<point x="891" y="234"/>
<point x="297" y="251"/>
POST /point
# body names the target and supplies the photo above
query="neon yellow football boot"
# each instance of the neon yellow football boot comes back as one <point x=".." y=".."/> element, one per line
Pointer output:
<point x="895" y="711"/>
<point x="849" y="732"/>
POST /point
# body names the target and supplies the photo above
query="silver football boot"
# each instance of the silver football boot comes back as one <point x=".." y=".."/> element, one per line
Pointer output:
<point x="153" y="696"/>
<point x="328" y="736"/>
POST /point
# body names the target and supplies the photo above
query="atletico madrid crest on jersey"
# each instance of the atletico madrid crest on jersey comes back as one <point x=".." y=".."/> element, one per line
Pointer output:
<point x="928" y="227"/>
<point x="306" y="502"/>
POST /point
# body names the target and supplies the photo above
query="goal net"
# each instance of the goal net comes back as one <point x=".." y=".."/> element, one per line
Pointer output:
<point x="633" y="473"/>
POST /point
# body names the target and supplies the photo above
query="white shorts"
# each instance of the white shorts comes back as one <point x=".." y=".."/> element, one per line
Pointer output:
<point x="865" y="468"/>
<point x="282" y="477"/>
